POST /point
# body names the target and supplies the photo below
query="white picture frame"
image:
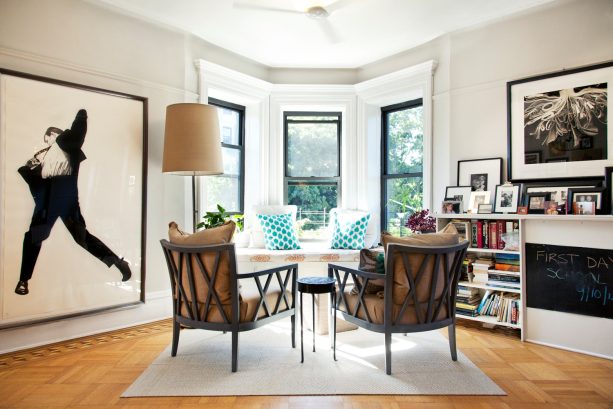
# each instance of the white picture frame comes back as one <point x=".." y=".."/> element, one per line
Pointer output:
<point x="477" y="198"/>
<point x="461" y="193"/>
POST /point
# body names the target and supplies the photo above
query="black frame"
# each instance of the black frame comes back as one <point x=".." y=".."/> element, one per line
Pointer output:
<point x="313" y="180"/>
<point x="485" y="208"/>
<point x="546" y="197"/>
<point x="540" y="77"/>
<point x="608" y="184"/>
<point x="385" y="176"/>
<point x="599" y="190"/>
<point x="240" y="147"/>
<point x="552" y="183"/>
<point x="465" y="200"/>
<point x="145" y="156"/>
<point x="517" y="199"/>
<point x="490" y="183"/>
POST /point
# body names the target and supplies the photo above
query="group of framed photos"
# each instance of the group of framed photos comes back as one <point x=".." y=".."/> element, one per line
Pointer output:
<point x="480" y="191"/>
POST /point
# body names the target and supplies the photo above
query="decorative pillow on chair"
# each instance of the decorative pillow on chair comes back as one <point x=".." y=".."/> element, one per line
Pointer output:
<point x="279" y="232"/>
<point x="348" y="231"/>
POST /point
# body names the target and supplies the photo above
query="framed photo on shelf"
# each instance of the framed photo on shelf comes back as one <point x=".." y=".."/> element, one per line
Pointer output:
<point x="451" y="207"/>
<point x="582" y="195"/>
<point x="536" y="202"/>
<point x="559" y="188"/>
<point x="480" y="174"/>
<point x="608" y="184"/>
<point x="559" y="124"/>
<point x="506" y="198"/>
<point x="484" y="208"/>
<point x="461" y="193"/>
<point x="584" y="208"/>
<point x="552" y="208"/>
<point x="477" y="198"/>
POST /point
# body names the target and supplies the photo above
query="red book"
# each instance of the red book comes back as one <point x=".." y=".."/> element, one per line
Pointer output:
<point x="493" y="239"/>
<point x="502" y="228"/>
<point x="480" y="234"/>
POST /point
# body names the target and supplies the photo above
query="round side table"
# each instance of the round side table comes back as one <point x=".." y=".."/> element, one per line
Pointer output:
<point x="316" y="285"/>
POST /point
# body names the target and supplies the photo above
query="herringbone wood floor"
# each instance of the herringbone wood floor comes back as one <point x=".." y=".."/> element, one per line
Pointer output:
<point x="93" y="372"/>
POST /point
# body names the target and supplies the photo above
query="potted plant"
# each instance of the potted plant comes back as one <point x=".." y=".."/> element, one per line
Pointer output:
<point x="421" y="222"/>
<point x="214" y="219"/>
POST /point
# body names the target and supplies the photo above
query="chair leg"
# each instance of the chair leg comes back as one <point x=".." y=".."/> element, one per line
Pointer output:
<point x="176" y="330"/>
<point x="293" y="319"/>
<point x="452" y="346"/>
<point x="234" y="350"/>
<point x="388" y="353"/>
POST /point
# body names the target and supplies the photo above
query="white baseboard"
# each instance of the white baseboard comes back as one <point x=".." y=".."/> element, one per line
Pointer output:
<point x="157" y="307"/>
<point x="580" y="351"/>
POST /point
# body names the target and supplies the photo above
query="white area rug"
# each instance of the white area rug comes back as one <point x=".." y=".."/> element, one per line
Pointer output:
<point x="267" y="365"/>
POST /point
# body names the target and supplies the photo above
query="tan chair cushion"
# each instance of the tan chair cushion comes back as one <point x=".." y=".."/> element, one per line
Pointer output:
<point x="216" y="235"/>
<point x="376" y="307"/>
<point x="401" y="282"/>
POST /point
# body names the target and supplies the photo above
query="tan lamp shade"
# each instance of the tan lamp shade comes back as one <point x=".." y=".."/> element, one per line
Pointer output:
<point x="192" y="144"/>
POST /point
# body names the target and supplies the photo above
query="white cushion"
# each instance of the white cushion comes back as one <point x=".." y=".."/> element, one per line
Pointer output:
<point x="253" y="224"/>
<point x="370" y="237"/>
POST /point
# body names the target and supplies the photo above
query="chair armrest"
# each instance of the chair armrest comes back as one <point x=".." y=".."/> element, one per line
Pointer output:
<point x="360" y="273"/>
<point x="267" y="271"/>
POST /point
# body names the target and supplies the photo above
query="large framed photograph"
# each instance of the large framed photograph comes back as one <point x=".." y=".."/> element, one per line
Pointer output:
<point x="461" y="193"/>
<point x="608" y="183"/>
<point x="73" y="177"/>
<point x="480" y="174"/>
<point x="506" y="198"/>
<point x="558" y="124"/>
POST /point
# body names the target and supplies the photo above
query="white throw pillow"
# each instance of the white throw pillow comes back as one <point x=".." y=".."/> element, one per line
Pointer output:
<point x="252" y="222"/>
<point x="370" y="237"/>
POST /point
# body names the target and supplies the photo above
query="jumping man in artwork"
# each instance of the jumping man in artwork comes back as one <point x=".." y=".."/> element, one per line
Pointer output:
<point x="52" y="176"/>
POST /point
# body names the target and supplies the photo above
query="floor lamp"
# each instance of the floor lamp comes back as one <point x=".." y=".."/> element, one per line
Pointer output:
<point x="192" y="144"/>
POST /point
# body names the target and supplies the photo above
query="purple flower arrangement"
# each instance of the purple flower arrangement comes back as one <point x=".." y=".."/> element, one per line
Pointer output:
<point x="421" y="222"/>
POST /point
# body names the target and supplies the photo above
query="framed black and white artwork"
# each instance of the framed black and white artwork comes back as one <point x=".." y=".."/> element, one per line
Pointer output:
<point x="480" y="174"/>
<point x="559" y="124"/>
<point x="507" y="198"/>
<point x="73" y="186"/>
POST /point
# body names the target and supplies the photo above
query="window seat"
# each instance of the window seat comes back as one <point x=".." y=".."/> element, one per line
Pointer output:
<point x="312" y="260"/>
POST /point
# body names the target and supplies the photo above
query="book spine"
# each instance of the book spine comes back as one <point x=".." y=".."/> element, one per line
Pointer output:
<point x="473" y="234"/>
<point x="493" y="235"/>
<point x="486" y="233"/>
<point x="479" y="234"/>
<point x="501" y="226"/>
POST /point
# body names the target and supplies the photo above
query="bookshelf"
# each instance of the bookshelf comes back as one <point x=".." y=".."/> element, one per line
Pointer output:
<point x="515" y="291"/>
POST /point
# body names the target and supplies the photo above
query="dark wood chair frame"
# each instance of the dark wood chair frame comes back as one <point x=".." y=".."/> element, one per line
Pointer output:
<point x="285" y="275"/>
<point x="427" y="322"/>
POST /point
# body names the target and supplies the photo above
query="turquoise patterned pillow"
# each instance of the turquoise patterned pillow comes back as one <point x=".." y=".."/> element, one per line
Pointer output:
<point x="279" y="232"/>
<point x="349" y="232"/>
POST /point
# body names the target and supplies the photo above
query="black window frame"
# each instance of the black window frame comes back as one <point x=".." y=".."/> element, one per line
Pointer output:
<point x="240" y="147"/>
<point x="385" y="175"/>
<point x="311" y="180"/>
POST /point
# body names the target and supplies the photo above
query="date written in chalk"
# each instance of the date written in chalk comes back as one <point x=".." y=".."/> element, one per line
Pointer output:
<point x="602" y="295"/>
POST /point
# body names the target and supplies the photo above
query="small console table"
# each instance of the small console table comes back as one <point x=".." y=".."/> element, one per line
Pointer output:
<point x="316" y="285"/>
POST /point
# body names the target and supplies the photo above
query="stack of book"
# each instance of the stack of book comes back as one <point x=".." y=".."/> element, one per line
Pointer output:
<point x="466" y="273"/>
<point x="481" y="267"/>
<point x="467" y="301"/>
<point x="505" y="273"/>
<point x="488" y="234"/>
<point x="505" y="307"/>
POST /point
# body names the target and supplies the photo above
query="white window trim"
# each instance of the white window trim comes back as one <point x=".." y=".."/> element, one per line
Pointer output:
<point x="360" y="136"/>
<point x="394" y="88"/>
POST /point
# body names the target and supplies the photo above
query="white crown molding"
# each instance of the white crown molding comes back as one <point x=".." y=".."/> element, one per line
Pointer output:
<point x="407" y="76"/>
<point x="314" y="89"/>
<point x="48" y="61"/>
<point x="218" y="76"/>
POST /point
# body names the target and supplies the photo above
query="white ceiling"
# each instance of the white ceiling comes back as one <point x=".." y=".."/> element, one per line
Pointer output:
<point x="357" y="32"/>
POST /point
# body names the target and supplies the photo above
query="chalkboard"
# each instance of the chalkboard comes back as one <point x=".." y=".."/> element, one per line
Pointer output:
<point x="570" y="279"/>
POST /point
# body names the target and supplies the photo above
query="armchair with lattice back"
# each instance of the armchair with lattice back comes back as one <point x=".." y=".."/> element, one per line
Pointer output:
<point x="417" y="292"/>
<point x="209" y="293"/>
